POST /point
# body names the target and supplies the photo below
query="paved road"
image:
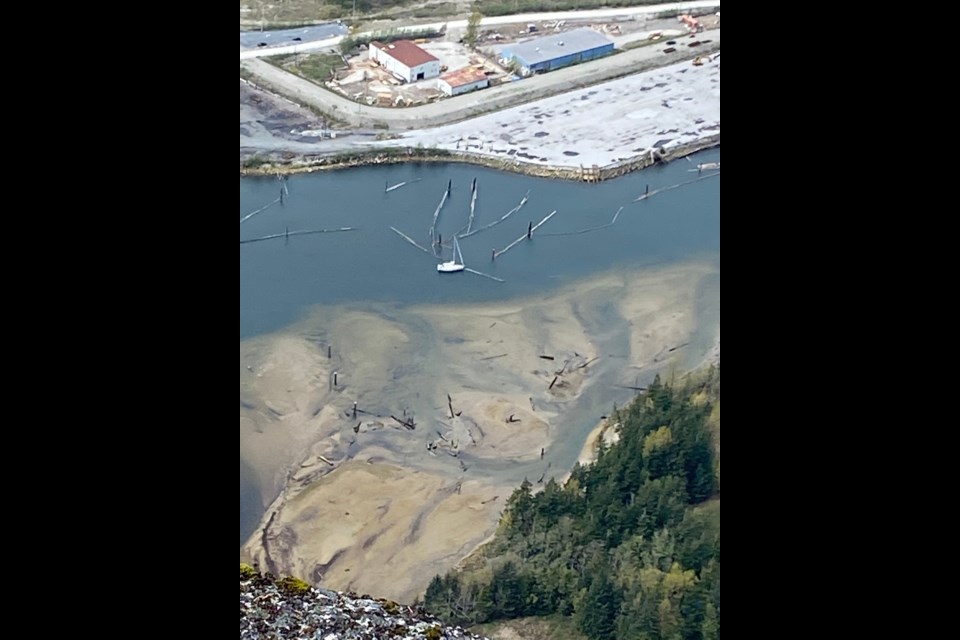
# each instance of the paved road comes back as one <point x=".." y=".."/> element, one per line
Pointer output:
<point x="497" y="20"/>
<point x="314" y="33"/>
<point x="472" y="104"/>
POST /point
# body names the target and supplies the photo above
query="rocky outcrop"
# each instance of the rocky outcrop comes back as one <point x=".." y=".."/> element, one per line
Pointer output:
<point x="290" y="608"/>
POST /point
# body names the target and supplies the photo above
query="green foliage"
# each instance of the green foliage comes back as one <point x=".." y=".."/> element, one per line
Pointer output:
<point x="629" y="546"/>
<point x="247" y="572"/>
<point x="473" y="25"/>
<point x="293" y="586"/>
<point x="597" y="611"/>
<point x="348" y="44"/>
<point x="509" y="7"/>
<point x="255" y="161"/>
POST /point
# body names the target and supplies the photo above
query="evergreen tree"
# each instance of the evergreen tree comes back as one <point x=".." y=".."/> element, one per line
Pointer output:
<point x="597" y="612"/>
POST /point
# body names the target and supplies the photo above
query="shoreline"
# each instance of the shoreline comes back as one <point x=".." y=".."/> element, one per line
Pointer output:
<point x="402" y="155"/>
<point x="421" y="500"/>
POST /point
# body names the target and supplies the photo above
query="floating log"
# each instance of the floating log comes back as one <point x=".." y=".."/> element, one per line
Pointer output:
<point x="296" y="233"/>
<point x="473" y="206"/>
<point x="523" y="201"/>
<point x="490" y="500"/>
<point x="555" y="378"/>
<point x="436" y="214"/>
<point x="529" y="233"/>
<point x="450" y="406"/>
<point x="485" y="275"/>
<point x="356" y="429"/>
<point x="679" y="346"/>
<point x="264" y="208"/>
<point x="397" y="186"/>
<point x="409" y="239"/>
<point x="547" y="357"/>
<point x="493" y="357"/>
<point x="327" y="461"/>
<point x="674" y="186"/>
<point x="588" y="230"/>
<point x="542" y="451"/>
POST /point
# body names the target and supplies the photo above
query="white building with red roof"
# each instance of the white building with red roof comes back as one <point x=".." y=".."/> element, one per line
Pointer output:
<point x="405" y="60"/>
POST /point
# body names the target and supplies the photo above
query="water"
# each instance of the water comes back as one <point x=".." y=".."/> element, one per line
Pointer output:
<point x="280" y="280"/>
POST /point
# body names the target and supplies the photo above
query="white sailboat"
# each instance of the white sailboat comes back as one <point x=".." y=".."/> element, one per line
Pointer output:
<point x="454" y="265"/>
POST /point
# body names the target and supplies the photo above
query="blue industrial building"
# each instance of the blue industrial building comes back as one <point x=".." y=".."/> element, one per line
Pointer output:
<point x="559" y="50"/>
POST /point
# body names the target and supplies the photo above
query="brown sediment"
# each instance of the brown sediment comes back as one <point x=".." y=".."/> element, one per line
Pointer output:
<point x="392" y="510"/>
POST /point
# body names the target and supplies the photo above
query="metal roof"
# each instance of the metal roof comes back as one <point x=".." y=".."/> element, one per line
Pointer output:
<point x="406" y="52"/>
<point x="558" y="45"/>
<point x="461" y="77"/>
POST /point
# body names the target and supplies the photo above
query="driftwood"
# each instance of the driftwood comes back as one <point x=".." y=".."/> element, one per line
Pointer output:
<point x="588" y="230"/>
<point x="397" y="186"/>
<point x="263" y="208"/>
<point x="436" y="214"/>
<point x="648" y="193"/>
<point x="496" y="222"/>
<point x="408" y="424"/>
<point x="530" y="230"/>
<point x="287" y="234"/>
<point x="584" y="365"/>
<point x="493" y="357"/>
<point x="485" y="275"/>
<point x="555" y="378"/>
<point x="409" y="239"/>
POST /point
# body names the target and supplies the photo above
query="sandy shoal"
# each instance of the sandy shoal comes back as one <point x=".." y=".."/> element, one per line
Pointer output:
<point x="315" y="461"/>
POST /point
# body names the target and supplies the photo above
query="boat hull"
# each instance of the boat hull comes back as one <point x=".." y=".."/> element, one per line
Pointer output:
<point x="449" y="267"/>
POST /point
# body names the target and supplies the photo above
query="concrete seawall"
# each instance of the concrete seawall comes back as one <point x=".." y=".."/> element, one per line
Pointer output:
<point x="399" y="155"/>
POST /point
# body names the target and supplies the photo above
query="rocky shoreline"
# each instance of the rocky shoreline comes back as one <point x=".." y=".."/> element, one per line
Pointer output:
<point x="272" y="165"/>
<point x="289" y="608"/>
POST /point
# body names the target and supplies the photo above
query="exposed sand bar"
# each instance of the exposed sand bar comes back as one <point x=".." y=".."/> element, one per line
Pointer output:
<point x="368" y="504"/>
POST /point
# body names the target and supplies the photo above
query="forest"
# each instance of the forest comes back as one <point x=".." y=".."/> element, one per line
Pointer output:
<point x="629" y="546"/>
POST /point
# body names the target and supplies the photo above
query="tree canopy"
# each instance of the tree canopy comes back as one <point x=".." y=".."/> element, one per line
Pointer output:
<point x="629" y="545"/>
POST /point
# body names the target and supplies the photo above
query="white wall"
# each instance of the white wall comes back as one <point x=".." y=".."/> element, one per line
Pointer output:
<point x="428" y="69"/>
<point x="451" y="91"/>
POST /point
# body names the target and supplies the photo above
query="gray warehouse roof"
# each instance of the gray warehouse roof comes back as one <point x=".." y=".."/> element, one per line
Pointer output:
<point x="558" y="45"/>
